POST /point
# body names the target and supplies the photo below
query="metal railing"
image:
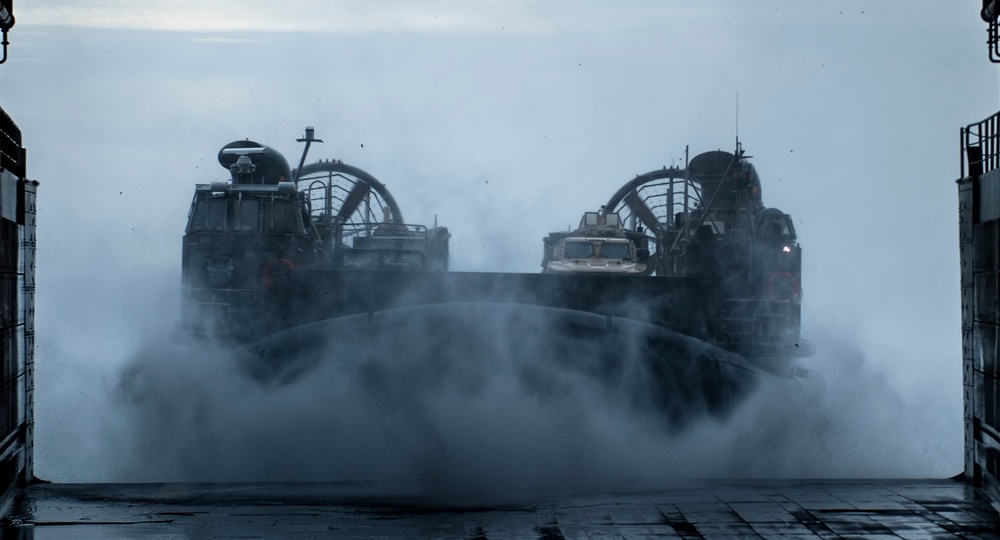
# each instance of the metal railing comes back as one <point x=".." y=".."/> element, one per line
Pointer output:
<point x="993" y="42"/>
<point x="980" y="143"/>
<point x="11" y="152"/>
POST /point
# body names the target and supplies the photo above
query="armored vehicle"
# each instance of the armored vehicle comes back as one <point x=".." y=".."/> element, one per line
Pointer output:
<point x="599" y="245"/>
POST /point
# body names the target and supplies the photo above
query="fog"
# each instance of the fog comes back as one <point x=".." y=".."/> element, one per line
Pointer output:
<point x="488" y="404"/>
<point x="506" y="123"/>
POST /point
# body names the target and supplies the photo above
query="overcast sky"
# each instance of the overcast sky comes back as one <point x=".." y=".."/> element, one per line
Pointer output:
<point x="506" y="120"/>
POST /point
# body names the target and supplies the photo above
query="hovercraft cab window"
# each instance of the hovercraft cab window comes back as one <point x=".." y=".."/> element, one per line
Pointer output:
<point x="210" y="214"/>
<point x="777" y="224"/>
<point x="220" y="214"/>
<point x="247" y="215"/>
<point x="282" y="218"/>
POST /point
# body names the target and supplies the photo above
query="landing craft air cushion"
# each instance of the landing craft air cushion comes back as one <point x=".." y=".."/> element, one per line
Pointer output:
<point x="245" y="236"/>
<point x="708" y="221"/>
<point x="272" y="249"/>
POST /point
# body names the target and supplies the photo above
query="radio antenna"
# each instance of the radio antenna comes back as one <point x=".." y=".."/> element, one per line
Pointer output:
<point x="737" y="118"/>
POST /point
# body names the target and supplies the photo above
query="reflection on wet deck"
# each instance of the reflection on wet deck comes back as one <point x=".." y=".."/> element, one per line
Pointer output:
<point x="911" y="509"/>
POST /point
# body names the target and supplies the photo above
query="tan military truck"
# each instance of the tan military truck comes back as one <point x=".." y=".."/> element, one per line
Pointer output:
<point x="599" y="245"/>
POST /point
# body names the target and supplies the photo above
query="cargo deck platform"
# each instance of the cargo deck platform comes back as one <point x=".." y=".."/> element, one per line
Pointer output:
<point x="909" y="509"/>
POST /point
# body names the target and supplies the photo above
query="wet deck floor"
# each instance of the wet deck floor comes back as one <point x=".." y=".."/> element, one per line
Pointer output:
<point x="912" y="509"/>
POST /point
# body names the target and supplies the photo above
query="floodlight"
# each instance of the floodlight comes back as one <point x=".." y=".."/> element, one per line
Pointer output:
<point x="990" y="11"/>
<point x="6" y="15"/>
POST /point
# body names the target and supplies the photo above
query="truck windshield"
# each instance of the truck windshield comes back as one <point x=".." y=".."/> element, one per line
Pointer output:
<point x="615" y="250"/>
<point x="578" y="250"/>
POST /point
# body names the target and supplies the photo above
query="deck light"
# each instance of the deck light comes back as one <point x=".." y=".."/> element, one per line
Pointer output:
<point x="6" y="15"/>
<point x="990" y="11"/>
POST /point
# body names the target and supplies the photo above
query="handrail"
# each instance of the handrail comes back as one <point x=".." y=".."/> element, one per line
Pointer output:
<point x="993" y="42"/>
<point x="4" y="42"/>
<point x="980" y="146"/>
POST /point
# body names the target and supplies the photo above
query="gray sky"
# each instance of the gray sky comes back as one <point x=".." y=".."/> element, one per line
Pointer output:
<point x="506" y="120"/>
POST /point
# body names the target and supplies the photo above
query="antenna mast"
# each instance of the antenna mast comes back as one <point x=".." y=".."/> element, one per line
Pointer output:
<point x="308" y="139"/>
<point x="737" y="119"/>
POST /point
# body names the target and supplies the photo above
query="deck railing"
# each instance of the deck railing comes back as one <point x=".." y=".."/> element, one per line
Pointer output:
<point x="980" y="143"/>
